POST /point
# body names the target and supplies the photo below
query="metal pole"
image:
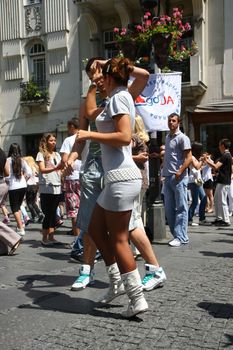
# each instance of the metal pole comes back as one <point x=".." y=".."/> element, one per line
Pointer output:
<point x="155" y="213"/>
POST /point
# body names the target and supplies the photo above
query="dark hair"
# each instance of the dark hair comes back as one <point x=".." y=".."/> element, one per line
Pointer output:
<point x="119" y="69"/>
<point x="226" y="143"/>
<point x="15" y="154"/>
<point x="89" y="63"/>
<point x="73" y="122"/>
<point x="197" y="149"/>
<point x="175" y="115"/>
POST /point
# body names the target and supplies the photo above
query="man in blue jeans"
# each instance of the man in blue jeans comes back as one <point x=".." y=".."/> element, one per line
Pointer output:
<point x="177" y="159"/>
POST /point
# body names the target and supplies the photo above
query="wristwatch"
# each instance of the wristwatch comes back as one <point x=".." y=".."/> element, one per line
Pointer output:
<point x="93" y="84"/>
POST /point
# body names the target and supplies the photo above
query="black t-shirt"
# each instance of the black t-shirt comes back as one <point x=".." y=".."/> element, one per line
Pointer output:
<point x="224" y="175"/>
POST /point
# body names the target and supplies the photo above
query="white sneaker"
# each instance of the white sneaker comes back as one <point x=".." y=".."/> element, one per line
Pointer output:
<point x="155" y="277"/>
<point x="136" y="308"/>
<point x="175" y="243"/>
<point x="113" y="292"/>
<point x="20" y="231"/>
<point x="85" y="278"/>
<point x="193" y="223"/>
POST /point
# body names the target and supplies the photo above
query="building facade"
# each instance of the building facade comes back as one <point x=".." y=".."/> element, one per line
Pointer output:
<point x="48" y="42"/>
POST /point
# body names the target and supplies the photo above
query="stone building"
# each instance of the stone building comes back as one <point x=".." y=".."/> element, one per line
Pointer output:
<point x="49" y="40"/>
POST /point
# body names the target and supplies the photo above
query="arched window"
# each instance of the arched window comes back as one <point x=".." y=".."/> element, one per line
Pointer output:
<point x="37" y="66"/>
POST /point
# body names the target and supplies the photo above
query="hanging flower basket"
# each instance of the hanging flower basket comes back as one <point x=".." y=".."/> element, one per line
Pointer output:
<point x="161" y="43"/>
<point x="129" y="49"/>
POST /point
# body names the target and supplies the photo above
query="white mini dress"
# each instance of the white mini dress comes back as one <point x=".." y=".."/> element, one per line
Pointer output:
<point x="122" y="178"/>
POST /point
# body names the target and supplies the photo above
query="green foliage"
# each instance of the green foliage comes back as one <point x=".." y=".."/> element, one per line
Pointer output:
<point x="30" y="91"/>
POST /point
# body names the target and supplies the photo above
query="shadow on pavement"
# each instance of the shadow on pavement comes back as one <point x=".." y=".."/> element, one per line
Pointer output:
<point x="219" y="255"/>
<point x="53" y="280"/>
<point x="217" y="310"/>
<point x="62" y="302"/>
<point x="54" y="255"/>
<point x="224" y="241"/>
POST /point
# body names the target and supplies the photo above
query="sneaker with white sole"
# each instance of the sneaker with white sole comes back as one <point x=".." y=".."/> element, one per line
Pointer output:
<point x="116" y="286"/>
<point x="191" y="223"/>
<point x="20" y="231"/>
<point x="85" y="278"/>
<point x="136" y="307"/>
<point x="154" y="278"/>
<point x="175" y="242"/>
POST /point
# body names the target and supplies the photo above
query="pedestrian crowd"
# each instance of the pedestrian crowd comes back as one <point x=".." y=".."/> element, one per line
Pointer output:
<point x="101" y="174"/>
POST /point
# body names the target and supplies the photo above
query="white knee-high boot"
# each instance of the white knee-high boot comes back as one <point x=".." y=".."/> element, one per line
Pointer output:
<point x="133" y="288"/>
<point x="116" y="286"/>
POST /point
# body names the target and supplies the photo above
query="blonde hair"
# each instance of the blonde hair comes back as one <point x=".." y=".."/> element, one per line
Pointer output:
<point x="31" y="162"/>
<point x="43" y="147"/>
<point x="139" y="128"/>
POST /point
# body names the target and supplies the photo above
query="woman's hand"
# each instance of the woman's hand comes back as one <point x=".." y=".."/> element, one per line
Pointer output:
<point x="82" y="135"/>
<point x="141" y="157"/>
<point x="97" y="65"/>
<point x="69" y="167"/>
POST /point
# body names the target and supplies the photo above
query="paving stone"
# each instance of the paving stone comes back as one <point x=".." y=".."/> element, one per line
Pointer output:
<point x="194" y="309"/>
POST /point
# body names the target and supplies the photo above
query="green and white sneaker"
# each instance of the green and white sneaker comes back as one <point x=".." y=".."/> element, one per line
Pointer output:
<point x="155" y="277"/>
<point x="85" y="278"/>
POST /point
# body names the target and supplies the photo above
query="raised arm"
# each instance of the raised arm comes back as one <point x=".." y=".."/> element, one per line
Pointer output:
<point x="141" y="77"/>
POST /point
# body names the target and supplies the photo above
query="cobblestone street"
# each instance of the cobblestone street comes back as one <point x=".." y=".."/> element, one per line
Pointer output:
<point x="194" y="309"/>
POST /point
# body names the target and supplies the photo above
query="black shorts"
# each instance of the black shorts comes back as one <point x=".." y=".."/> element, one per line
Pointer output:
<point x="209" y="184"/>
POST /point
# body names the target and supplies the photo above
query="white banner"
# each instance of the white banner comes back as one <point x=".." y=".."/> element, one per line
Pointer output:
<point x="160" y="98"/>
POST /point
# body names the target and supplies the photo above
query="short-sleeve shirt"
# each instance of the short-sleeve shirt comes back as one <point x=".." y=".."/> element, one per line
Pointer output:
<point x="67" y="148"/>
<point x="224" y="174"/>
<point x="17" y="183"/>
<point x="49" y="183"/>
<point x="121" y="102"/>
<point x="175" y="146"/>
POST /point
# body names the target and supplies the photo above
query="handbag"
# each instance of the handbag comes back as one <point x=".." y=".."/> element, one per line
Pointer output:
<point x="199" y="182"/>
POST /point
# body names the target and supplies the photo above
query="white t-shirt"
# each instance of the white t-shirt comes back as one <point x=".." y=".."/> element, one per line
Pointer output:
<point x="14" y="183"/>
<point x="207" y="173"/>
<point x="66" y="147"/>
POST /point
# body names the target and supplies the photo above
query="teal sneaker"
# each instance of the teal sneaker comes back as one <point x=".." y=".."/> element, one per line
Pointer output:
<point x="154" y="278"/>
<point x="85" y="278"/>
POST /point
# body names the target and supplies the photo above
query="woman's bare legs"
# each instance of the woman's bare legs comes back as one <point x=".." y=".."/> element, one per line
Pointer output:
<point x="17" y="215"/>
<point x="142" y="243"/>
<point x="109" y="231"/>
<point x="210" y="199"/>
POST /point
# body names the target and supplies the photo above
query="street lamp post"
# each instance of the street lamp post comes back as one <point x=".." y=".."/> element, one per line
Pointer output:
<point x="155" y="211"/>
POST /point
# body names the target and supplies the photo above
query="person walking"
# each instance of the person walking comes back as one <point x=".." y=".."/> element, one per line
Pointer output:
<point x="32" y="191"/>
<point x="9" y="239"/>
<point x="177" y="159"/>
<point x="19" y="172"/>
<point x="196" y="186"/>
<point x="49" y="162"/>
<point x="224" y="168"/>
<point x="110" y="219"/>
<point x="72" y="183"/>
<point x="208" y="184"/>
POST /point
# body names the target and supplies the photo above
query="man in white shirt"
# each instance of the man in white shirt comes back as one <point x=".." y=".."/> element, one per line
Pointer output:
<point x="72" y="183"/>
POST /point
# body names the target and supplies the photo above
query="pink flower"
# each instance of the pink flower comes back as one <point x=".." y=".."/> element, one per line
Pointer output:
<point x="148" y="23"/>
<point x="116" y="30"/>
<point x="139" y="27"/>
<point x="187" y="26"/>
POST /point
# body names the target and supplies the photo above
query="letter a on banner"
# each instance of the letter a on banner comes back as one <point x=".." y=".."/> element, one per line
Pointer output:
<point x="160" y="98"/>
